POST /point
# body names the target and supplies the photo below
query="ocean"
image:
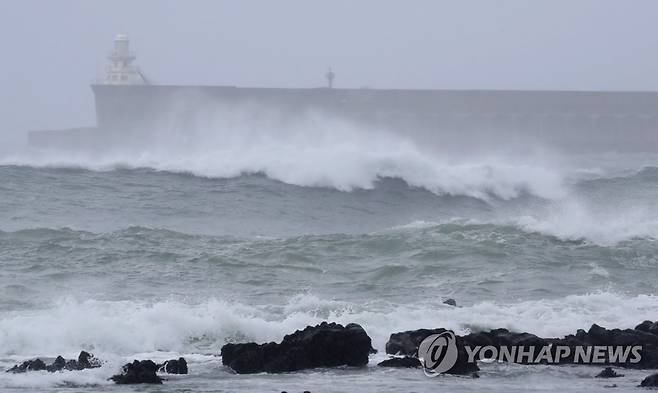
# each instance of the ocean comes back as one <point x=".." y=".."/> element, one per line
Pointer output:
<point x="176" y="248"/>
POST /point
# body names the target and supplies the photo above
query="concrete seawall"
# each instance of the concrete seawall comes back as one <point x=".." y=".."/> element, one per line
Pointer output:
<point x="564" y="117"/>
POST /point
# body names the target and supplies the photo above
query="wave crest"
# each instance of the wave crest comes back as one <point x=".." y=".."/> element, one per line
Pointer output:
<point x="318" y="151"/>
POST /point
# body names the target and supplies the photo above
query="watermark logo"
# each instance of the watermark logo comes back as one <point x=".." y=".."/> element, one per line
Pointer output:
<point x="438" y="353"/>
<point x="548" y="354"/>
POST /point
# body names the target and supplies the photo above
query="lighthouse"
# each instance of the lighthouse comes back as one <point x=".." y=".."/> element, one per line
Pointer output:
<point x="120" y="70"/>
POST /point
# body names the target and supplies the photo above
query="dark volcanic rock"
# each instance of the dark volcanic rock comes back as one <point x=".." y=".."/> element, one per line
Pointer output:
<point x="608" y="372"/>
<point x="174" y="366"/>
<point x="406" y="343"/>
<point x="450" y="302"/>
<point x="29" y="365"/>
<point x="143" y="371"/>
<point x="57" y="365"/>
<point x="651" y="380"/>
<point x="504" y="338"/>
<point x="645" y="335"/>
<point x="324" y="345"/>
<point x="648" y="326"/>
<point x="407" y="361"/>
<point x="85" y="360"/>
<point x="597" y="335"/>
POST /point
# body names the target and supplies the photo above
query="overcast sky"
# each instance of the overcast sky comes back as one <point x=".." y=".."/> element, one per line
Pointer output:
<point x="52" y="50"/>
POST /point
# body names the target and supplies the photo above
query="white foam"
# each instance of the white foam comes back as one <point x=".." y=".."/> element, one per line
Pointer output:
<point x="573" y="219"/>
<point x="316" y="150"/>
<point x="43" y="379"/>
<point x="572" y="223"/>
<point x="123" y="329"/>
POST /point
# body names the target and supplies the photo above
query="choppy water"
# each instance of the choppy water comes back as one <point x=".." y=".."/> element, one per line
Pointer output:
<point x="141" y="257"/>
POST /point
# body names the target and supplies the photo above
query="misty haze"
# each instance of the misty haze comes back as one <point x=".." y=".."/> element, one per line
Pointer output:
<point x="328" y="196"/>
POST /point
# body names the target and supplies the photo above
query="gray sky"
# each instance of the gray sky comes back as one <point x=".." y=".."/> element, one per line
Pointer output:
<point x="54" y="49"/>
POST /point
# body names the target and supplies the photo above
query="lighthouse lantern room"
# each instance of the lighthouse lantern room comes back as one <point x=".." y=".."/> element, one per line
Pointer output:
<point x="120" y="70"/>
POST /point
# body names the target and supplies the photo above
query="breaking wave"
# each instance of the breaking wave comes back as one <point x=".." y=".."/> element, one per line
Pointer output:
<point x="317" y="151"/>
<point x="131" y="327"/>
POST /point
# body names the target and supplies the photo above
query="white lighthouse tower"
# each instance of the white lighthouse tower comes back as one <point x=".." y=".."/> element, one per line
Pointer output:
<point x="120" y="70"/>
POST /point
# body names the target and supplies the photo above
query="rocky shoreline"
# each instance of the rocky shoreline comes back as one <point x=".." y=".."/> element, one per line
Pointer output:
<point x="324" y="345"/>
<point x="644" y="335"/>
<point x="137" y="372"/>
<point x="334" y="345"/>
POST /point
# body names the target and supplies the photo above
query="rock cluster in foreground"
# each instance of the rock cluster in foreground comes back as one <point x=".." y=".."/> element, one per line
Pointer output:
<point x="173" y="366"/>
<point x="85" y="360"/>
<point x="139" y="371"/>
<point x="323" y="345"/>
<point x="608" y="372"/>
<point x="144" y="371"/>
<point x="406" y="343"/>
<point x="645" y="335"/>
<point x="335" y="345"/>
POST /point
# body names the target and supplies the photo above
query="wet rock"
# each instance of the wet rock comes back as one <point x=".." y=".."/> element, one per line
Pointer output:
<point x="608" y="372"/>
<point x="29" y="365"/>
<point x="174" y="366"/>
<point x="324" y="345"/>
<point x="651" y="380"/>
<point x="138" y="372"/>
<point x="451" y="302"/>
<point x="645" y="335"/>
<point x="85" y="360"/>
<point x="644" y="326"/>
<point x="641" y="336"/>
<point x="504" y="338"/>
<point x="648" y="326"/>
<point x="406" y="343"/>
<point x="57" y="365"/>
<point x="404" y="362"/>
